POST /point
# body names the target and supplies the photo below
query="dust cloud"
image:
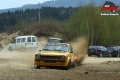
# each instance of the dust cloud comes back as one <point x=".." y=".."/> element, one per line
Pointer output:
<point x="80" y="47"/>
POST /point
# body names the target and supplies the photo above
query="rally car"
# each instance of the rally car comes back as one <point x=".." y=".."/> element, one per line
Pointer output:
<point x="55" y="55"/>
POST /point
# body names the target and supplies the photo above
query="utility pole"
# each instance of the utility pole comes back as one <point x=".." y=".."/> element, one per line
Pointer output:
<point x="39" y="14"/>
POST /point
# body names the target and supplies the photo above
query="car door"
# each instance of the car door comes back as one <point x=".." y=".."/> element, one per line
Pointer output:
<point x="18" y="43"/>
<point x="104" y="51"/>
<point x="29" y="42"/>
<point x="34" y="42"/>
<point x="23" y="44"/>
<point x="13" y="45"/>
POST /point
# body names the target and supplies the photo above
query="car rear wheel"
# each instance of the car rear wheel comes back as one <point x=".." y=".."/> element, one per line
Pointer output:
<point x="75" y="64"/>
<point x="109" y="55"/>
<point x="118" y="55"/>
<point x="101" y="55"/>
<point x="36" y="66"/>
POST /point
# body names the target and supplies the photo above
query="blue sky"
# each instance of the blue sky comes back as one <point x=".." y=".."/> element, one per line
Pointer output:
<point x="5" y="4"/>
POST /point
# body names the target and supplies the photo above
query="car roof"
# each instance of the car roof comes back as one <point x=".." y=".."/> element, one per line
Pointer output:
<point x="95" y="46"/>
<point x="25" y="36"/>
<point x="55" y="38"/>
<point x="112" y="45"/>
<point x="59" y="43"/>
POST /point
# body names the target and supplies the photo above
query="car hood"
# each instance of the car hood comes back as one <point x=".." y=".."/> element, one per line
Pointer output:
<point x="57" y="53"/>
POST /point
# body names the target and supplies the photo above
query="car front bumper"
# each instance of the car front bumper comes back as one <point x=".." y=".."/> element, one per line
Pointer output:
<point x="50" y="63"/>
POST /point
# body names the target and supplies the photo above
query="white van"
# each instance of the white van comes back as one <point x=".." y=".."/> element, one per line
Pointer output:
<point x="23" y="43"/>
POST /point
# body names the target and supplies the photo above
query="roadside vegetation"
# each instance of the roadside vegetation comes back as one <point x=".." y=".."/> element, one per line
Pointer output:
<point x="66" y="23"/>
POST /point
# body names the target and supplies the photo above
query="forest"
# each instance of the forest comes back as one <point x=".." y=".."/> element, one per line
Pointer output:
<point x="67" y="23"/>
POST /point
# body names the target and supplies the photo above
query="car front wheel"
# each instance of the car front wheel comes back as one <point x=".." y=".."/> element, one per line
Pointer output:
<point x="101" y="55"/>
<point x="36" y="66"/>
<point x="68" y="66"/>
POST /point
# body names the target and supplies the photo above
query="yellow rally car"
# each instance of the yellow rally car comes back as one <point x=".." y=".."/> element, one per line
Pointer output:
<point x="55" y="55"/>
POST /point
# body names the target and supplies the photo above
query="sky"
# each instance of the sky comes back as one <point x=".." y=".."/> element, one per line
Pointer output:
<point x="6" y="4"/>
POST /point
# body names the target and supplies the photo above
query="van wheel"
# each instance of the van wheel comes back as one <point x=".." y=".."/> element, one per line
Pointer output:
<point x="22" y="49"/>
<point x="10" y="49"/>
<point x="0" y="48"/>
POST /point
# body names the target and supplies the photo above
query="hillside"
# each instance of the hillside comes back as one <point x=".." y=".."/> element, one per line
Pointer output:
<point x="59" y="3"/>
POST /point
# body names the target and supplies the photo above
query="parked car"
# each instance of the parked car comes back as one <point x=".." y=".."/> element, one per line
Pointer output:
<point x="56" y="55"/>
<point x="99" y="51"/>
<point x="114" y="50"/>
<point x="55" y="40"/>
<point x="23" y="43"/>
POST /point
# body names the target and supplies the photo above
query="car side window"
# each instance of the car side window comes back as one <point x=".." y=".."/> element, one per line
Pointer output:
<point x="23" y="40"/>
<point x="18" y="40"/>
<point x="29" y="39"/>
<point x="33" y="39"/>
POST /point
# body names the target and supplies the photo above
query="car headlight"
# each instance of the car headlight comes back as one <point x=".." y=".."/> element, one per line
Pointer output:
<point x="37" y="56"/>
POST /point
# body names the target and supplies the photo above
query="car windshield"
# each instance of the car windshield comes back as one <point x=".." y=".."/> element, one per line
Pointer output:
<point x="54" y="40"/>
<point x="56" y="47"/>
<point x="112" y="48"/>
<point x="92" y="47"/>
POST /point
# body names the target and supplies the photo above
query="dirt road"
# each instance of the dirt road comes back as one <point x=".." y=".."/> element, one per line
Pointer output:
<point x="19" y="66"/>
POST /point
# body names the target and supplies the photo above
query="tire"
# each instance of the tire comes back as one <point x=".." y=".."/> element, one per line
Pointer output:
<point x="109" y="55"/>
<point x="118" y="55"/>
<point x="0" y="48"/>
<point x="10" y="49"/>
<point x="68" y="66"/>
<point x="36" y="66"/>
<point x="75" y="64"/>
<point x="22" y="49"/>
<point x="101" y="55"/>
<point x="89" y="55"/>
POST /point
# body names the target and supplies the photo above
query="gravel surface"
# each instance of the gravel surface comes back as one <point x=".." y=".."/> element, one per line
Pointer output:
<point x="19" y="66"/>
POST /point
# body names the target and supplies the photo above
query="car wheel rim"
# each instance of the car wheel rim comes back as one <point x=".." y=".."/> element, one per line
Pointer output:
<point x="100" y="54"/>
<point x="109" y="55"/>
<point x="118" y="55"/>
